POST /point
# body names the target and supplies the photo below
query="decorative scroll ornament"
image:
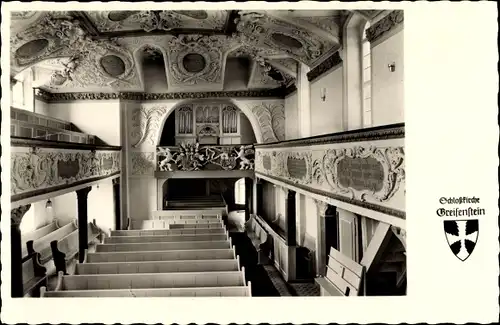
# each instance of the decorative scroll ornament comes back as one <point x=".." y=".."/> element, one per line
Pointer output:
<point x="262" y="31"/>
<point x="37" y="168"/>
<point x="146" y="123"/>
<point x="271" y="118"/>
<point x="391" y="161"/>
<point x="321" y="207"/>
<point x="189" y="157"/>
<point x="197" y="59"/>
<point x="61" y="35"/>
<point x="17" y="214"/>
<point x="143" y="163"/>
<point x="384" y="25"/>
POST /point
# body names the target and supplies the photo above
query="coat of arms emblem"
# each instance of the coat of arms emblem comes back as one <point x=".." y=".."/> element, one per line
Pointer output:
<point x="462" y="236"/>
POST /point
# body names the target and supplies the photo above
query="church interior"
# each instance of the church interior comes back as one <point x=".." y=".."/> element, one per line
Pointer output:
<point x="207" y="153"/>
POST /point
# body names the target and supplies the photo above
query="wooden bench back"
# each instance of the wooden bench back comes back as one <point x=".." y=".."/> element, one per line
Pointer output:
<point x="196" y="226"/>
<point x="33" y="271"/>
<point x="161" y="246"/>
<point x="151" y="280"/>
<point x="344" y="273"/>
<point x="240" y="291"/>
<point x="37" y="234"/>
<point x="200" y="254"/>
<point x="188" y="217"/>
<point x="170" y="238"/>
<point x="157" y="267"/>
<point x="168" y="232"/>
<point x="188" y="212"/>
<point x="42" y="245"/>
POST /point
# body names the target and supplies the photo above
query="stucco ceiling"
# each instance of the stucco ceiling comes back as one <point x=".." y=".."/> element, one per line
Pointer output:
<point x="107" y="50"/>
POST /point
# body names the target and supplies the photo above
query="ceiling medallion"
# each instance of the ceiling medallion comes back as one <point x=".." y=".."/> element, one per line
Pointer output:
<point x="112" y="65"/>
<point x="285" y="40"/>
<point x="194" y="62"/>
<point x="120" y="15"/>
<point x="195" y="14"/>
<point x="32" y="48"/>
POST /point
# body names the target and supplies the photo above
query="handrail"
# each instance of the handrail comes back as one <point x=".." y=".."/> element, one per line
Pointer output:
<point x="391" y="131"/>
<point x="30" y="142"/>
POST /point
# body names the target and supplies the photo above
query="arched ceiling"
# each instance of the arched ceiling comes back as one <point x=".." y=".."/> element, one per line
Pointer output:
<point x="73" y="51"/>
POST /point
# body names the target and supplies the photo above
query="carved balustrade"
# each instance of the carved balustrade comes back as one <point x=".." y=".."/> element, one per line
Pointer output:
<point x="41" y="166"/>
<point x="193" y="157"/>
<point x="361" y="167"/>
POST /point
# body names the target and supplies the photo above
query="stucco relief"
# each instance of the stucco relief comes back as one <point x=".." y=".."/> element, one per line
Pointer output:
<point x="39" y="168"/>
<point x="271" y="119"/>
<point x="261" y="30"/>
<point x="59" y="35"/>
<point x="362" y="173"/>
<point x="146" y="121"/>
<point x="143" y="163"/>
<point x="197" y="59"/>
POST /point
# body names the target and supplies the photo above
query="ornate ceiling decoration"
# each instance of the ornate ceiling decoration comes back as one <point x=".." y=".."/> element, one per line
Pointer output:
<point x="263" y="31"/>
<point x="104" y="50"/>
<point x="196" y="60"/>
<point x="116" y="21"/>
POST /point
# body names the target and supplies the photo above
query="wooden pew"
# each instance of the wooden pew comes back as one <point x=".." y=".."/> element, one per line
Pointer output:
<point x="196" y="226"/>
<point x="168" y="238"/>
<point x="165" y="224"/>
<point x="237" y="291"/>
<point x="37" y="234"/>
<point x="42" y="245"/>
<point x="167" y="232"/>
<point x="202" y="217"/>
<point x="195" y="254"/>
<point x="260" y="239"/>
<point x="158" y="267"/>
<point x="150" y="280"/>
<point x="343" y="276"/>
<point x="67" y="248"/>
<point x="189" y="212"/>
<point x="34" y="275"/>
<point x="162" y="246"/>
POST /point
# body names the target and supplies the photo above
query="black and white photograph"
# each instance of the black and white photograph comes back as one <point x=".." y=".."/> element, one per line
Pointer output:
<point x="164" y="152"/>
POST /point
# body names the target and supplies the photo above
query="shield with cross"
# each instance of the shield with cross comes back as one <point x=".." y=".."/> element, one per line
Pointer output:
<point x="462" y="236"/>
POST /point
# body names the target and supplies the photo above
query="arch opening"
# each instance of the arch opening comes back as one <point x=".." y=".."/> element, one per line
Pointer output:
<point x="210" y="122"/>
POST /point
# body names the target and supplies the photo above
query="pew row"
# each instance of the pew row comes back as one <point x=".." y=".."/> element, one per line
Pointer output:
<point x="189" y="212"/>
<point x="167" y="232"/>
<point x="188" y="217"/>
<point x="150" y="280"/>
<point x="168" y="238"/>
<point x="261" y="240"/>
<point x="42" y="245"/>
<point x="162" y="246"/>
<point x="34" y="275"/>
<point x="166" y="224"/>
<point x="238" y="291"/>
<point x="195" y="254"/>
<point x="37" y="234"/>
<point x="67" y="248"/>
<point x="158" y="267"/>
<point x="343" y="276"/>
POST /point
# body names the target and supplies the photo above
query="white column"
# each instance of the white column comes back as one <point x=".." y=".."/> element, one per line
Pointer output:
<point x="303" y="101"/>
<point x="320" y="238"/>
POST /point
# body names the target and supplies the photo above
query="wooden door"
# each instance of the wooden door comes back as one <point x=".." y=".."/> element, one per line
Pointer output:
<point x="348" y="234"/>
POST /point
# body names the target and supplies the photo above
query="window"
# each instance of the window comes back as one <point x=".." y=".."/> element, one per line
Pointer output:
<point x="239" y="191"/>
<point x="18" y="94"/>
<point x="367" y="79"/>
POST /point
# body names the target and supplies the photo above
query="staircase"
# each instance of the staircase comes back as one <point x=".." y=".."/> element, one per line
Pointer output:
<point x="177" y="255"/>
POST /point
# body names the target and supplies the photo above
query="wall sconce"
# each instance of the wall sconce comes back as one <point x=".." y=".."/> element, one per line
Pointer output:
<point x="322" y="94"/>
<point x="392" y="67"/>
<point x="48" y="205"/>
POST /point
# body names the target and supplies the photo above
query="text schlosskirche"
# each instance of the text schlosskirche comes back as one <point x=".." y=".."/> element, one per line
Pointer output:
<point x="449" y="211"/>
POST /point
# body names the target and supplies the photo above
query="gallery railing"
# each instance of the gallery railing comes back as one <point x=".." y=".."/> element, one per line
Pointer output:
<point x="41" y="166"/>
<point x="194" y="157"/>
<point x="361" y="167"/>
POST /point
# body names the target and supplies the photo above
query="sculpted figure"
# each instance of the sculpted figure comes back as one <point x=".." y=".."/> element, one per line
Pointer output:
<point x="165" y="163"/>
